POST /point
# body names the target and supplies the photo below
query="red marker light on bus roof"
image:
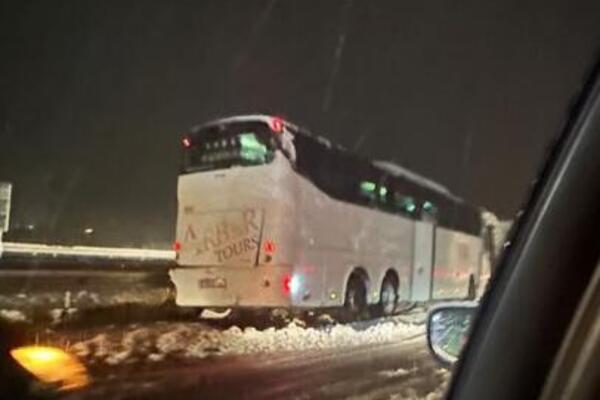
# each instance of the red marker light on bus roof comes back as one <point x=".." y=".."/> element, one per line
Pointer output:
<point x="186" y="142"/>
<point x="277" y="124"/>
<point x="176" y="246"/>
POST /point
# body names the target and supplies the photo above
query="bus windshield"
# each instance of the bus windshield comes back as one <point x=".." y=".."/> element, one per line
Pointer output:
<point x="228" y="145"/>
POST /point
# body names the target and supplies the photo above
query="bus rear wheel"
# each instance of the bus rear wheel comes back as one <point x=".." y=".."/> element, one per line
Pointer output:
<point x="388" y="298"/>
<point x="355" y="302"/>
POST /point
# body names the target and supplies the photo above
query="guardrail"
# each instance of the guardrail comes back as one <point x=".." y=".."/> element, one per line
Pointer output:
<point x="110" y="253"/>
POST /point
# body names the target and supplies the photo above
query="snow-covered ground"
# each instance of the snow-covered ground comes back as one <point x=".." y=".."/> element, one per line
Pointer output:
<point x="85" y="299"/>
<point x="52" y="305"/>
<point x="407" y="391"/>
<point x="381" y="360"/>
<point x="12" y="315"/>
<point x="162" y="340"/>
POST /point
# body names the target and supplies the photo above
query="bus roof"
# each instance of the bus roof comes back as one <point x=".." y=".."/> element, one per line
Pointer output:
<point x="240" y="118"/>
<point x="385" y="166"/>
<point x="398" y="170"/>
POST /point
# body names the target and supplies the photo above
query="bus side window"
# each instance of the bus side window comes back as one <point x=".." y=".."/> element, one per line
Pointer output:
<point x="367" y="191"/>
<point x="382" y="196"/>
<point x="429" y="211"/>
<point x="405" y="204"/>
<point x="326" y="168"/>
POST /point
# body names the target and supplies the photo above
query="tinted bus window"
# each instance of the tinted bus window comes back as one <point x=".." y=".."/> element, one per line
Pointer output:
<point x="225" y="146"/>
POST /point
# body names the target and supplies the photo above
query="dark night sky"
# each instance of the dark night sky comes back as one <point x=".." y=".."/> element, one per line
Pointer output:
<point x="94" y="94"/>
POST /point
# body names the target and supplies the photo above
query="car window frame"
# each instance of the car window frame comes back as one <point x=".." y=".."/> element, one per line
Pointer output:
<point x="507" y="356"/>
<point x="576" y="372"/>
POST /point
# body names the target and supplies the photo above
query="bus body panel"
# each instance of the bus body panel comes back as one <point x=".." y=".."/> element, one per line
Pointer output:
<point x="310" y="291"/>
<point x="343" y="237"/>
<point x="225" y="216"/>
<point x="225" y="219"/>
<point x="423" y="261"/>
<point x="235" y="286"/>
<point x="457" y="258"/>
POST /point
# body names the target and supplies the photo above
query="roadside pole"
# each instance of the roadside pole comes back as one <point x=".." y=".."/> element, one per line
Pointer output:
<point x="5" y="197"/>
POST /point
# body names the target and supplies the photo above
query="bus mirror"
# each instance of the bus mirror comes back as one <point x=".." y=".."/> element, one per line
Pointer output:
<point x="448" y="328"/>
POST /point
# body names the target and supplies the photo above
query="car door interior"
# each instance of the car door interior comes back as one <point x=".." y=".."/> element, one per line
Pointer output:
<point x="576" y="371"/>
<point x="548" y="262"/>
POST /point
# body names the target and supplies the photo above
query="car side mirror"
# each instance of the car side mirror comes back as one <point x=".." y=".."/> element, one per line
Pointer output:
<point x="448" y="327"/>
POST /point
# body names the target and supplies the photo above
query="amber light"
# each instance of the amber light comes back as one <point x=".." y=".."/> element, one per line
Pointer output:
<point x="53" y="366"/>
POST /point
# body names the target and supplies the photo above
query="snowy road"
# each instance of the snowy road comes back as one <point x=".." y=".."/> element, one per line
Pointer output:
<point x="184" y="358"/>
<point x="385" y="371"/>
<point x="381" y="359"/>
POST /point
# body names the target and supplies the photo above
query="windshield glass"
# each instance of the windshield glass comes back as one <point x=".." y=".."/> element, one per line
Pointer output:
<point x="265" y="199"/>
<point x="227" y="145"/>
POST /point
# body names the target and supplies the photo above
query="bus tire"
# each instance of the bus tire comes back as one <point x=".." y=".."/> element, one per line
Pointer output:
<point x="472" y="289"/>
<point x="388" y="296"/>
<point x="355" y="301"/>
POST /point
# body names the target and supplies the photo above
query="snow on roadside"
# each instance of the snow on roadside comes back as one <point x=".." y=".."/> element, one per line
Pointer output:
<point x="421" y="382"/>
<point x="393" y="373"/>
<point x="13" y="315"/>
<point x="436" y="388"/>
<point x="416" y="316"/>
<point x="158" y="341"/>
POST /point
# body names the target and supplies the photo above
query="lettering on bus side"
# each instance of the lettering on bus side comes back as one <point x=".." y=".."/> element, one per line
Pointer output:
<point x="250" y="219"/>
<point x="190" y="234"/>
<point x="226" y="236"/>
<point x="236" y="249"/>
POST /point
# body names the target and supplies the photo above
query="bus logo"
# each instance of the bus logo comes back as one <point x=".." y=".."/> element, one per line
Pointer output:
<point x="219" y="237"/>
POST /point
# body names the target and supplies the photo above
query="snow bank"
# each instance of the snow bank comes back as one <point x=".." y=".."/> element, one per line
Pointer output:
<point x="13" y="315"/>
<point x="393" y="373"/>
<point x="158" y="341"/>
<point x="414" y="391"/>
<point x="47" y="301"/>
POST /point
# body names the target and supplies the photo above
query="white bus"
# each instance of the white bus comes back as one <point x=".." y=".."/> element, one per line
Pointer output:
<point x="272" y="216"/>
